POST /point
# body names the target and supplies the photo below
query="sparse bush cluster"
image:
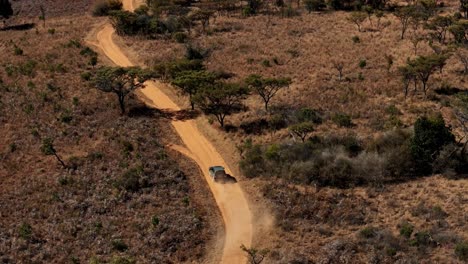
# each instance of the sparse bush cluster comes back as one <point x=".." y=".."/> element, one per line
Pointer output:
<point x="344" y="162"/>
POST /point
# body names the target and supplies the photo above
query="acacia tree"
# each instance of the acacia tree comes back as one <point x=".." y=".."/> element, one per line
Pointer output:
<point x="407" y="75"/>
<point x="405" y="15"/>
<point x="221" y="99"/>
<point x="48" y="148"/>
<point x="440" y="25"/>
<point x="267" y="88"/>
<point x="424" y="66"/>
<point x="302" y="130"/>
<point x="121" y="81"/>
<point x="357" y="18"/>
<point x="190" y="82"/>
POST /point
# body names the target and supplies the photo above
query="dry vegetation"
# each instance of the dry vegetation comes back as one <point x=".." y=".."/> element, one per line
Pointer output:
<point x="328" y="225"/>
<point x="121" y="197"/>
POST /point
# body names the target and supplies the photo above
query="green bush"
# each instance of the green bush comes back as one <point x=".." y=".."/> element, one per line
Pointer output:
<point x="356" y="39"/>
<point x="132" y="180"/>
<point x="25" y="231"/>
<point x="309" y="115"/>
<point x="406" y="229"/>
<point x="180" y="37"/>
<point x="18" y="51"/>
<point x="430" y="136"/>
<point x="362" y="64"/>
<point x="461" y="250"/>
<point x="119" y="245"/>
<point x="103" y="7"/>
<point x="368" y="232"/>
<point x="342" y="120"/>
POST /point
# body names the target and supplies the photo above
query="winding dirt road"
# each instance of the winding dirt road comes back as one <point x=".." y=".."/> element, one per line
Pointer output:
<point x="229" y="197"/>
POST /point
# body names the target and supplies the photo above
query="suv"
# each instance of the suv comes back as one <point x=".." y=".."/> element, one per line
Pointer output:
<point x="219" y="174"/>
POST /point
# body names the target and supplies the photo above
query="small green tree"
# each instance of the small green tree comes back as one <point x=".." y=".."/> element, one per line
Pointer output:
<point x="357" y="18"/>
<point x="424" y="66"/>
<point x="407" y="75"/>
<point x="404" y="14"/>
<point x="121" y="81"/>
<point x="221" y="99"/>
<point x="190" y="82"/>
<point x="430" y="135"/>
<point x="302" y="130"/>
<point x="267" y="88"/>
<point x="48" y="148"/>
<point x="255" y="256"/>
<point x="439" y="25"/>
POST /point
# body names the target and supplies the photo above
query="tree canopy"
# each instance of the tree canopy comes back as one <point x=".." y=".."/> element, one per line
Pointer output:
<point x="190" y="82"/>
<point x="221" y="99"/>
<point x="121" y="81"/>
<point x="267" y="88"/>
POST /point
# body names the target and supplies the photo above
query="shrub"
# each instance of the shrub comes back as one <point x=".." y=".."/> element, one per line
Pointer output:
<point x="430" y="135"/>
<point x="309" y="115"/>
<point x="461" y="250"/>
<point x="266" y="63"/>
<point x="131" y="180"/>
<point x="192" y="53"/>
<point x="86" y="76"/>
<point x="342" y="120"/>
<point x="356" y="39"/>
<point x="18" y="51"/>
<point x="180" y="37"/>
<point x="368" y="232"/>
<point x="421" y="239"/>
<point x="103" y="7"/>
<point x="119" y="245"/>
<point x="25" y="231"/>
<point x="406" y="229"/>
<point x="362" y="64"/>
<point x="51" y="31"/>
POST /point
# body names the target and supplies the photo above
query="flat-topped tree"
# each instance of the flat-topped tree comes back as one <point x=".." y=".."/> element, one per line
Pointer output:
<point x="221" y="99"/>
<point x="121" y="81"/>
<point x="424" y="66"/>
<point x="267" y="88"/>
<point x="190" y="82"/>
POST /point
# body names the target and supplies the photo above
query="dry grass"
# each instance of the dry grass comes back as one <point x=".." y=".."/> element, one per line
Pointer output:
<point x="79" y="213"/>
<point x="305" y="48"/>
<point x="325" y="226"/>
<point x="312" y="221"/>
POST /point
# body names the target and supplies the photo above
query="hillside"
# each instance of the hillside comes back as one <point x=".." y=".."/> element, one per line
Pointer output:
<point x="122" y="195"/>
<point x="344" y="123"/>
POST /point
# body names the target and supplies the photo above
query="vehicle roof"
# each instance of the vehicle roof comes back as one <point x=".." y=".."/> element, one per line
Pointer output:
<point x="217" y="168"/>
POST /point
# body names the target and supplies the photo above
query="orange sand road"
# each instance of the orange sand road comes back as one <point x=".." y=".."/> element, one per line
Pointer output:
<point x="229" y="197"/>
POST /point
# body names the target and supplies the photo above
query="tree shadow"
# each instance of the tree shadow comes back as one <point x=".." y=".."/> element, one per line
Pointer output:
<point x="146" y="111"/>
<point x="25" y="26"/>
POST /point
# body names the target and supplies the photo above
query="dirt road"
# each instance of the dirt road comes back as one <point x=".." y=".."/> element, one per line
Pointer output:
<point x="229" y="197"/>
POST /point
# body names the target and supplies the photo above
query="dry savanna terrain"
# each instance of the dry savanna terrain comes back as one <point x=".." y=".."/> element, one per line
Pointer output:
<point x="121" y="196"/>
<point x="344" y="164"/>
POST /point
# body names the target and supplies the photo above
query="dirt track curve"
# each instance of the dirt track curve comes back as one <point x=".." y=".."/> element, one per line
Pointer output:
<point x="229" y="197"/>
